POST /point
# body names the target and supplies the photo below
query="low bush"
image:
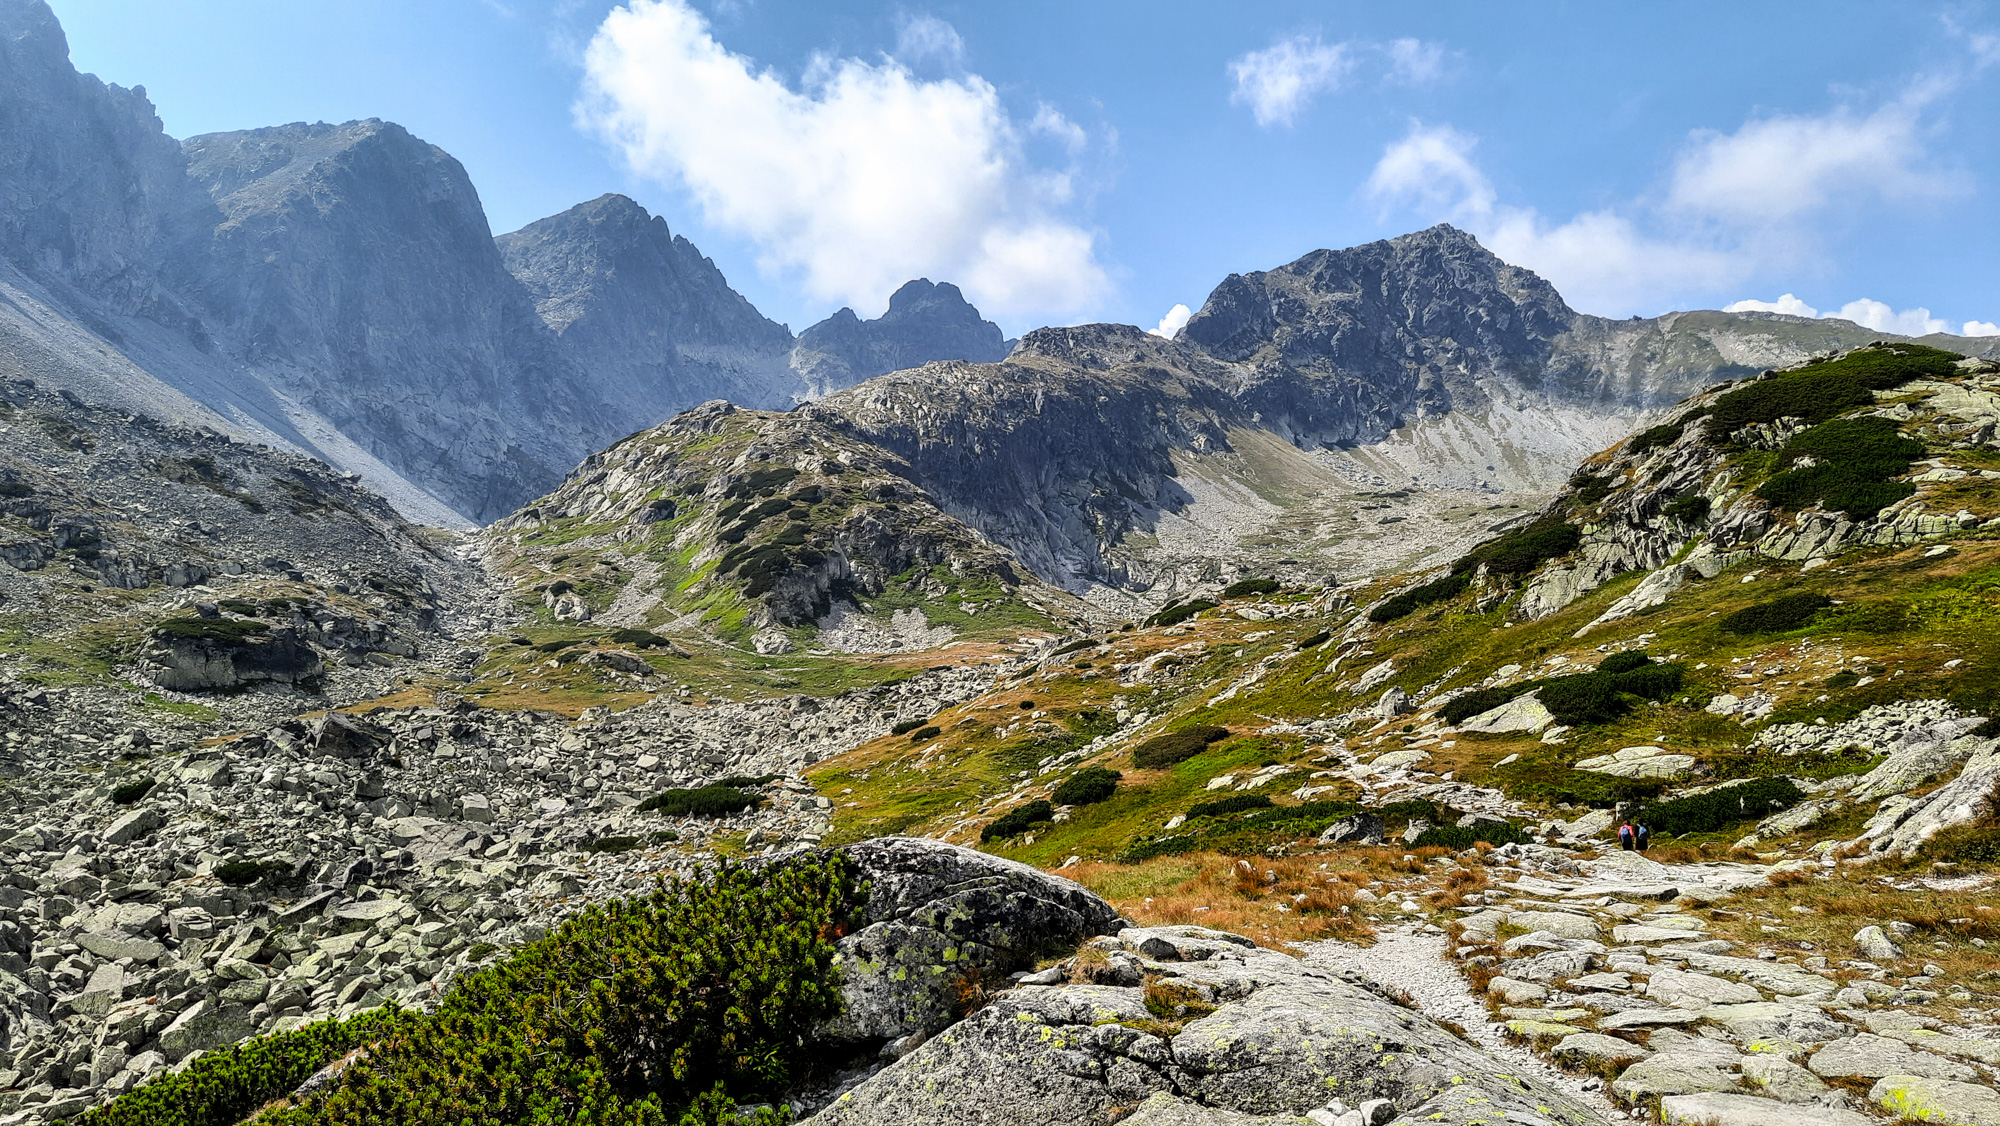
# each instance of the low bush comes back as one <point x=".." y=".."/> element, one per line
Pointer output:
<point x="643" y="1012"/>
<point x="1409" y="601"/>
<point x="1580" y="698"/>
<point x="132" y="791"/>
<point x="1820" y="391"/>
<point x="925" y="733"/>
<point x="640" y="639"/>
<point x="1586" y="489"/>
<point x="1854" y="463"/>
<point x="1018" y="820"/>
<point x="1162" y="751"/>
<point x="1180" y="612"/>
<point x="748" y="781"/>
<point x="1625" y="662"/>
<point x="907" y="726"/>
<point x="1458" y="840"/>
<point x="1088" y="786"/>
<point x="1075" y="646"/>
<point x="705" y="801"/>
<point x="1315" y="640"/>
<point x="1653" y="437"/>
<point x="1779" y="615"/>
<point x="1462" y="708"/>
<point x="612" y="844"/>
<point x="1722" y="807"/>
<point x="1245" y="588"/>
<point x="1523" y="549"/>
<point x="223" y="1087"/>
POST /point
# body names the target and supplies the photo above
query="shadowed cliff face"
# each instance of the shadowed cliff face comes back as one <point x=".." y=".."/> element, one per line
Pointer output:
<point x="652" y="321"/>
<point x="925" y="322"/>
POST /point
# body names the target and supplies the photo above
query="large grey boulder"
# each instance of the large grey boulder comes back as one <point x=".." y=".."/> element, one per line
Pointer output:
<point x="1921" y="1099"/>
<point x="1901" y="826"/>
<point x="224" y="658"/>
<point x="943" y="921"/>
<point x="1284" y="1039"/>
<point x="1724" y="1109"/>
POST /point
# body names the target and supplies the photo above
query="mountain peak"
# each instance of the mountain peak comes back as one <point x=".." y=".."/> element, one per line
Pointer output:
<point x="925" y="321"/>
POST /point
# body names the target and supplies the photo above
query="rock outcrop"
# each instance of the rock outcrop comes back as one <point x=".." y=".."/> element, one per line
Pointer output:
<point x="1248" y="1034"/>
<point x="925" y="322"/>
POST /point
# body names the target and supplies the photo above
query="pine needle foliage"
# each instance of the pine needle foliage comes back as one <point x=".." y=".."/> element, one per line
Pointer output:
<point x="655" y="1011"/>
<point x="1820" y="391"/>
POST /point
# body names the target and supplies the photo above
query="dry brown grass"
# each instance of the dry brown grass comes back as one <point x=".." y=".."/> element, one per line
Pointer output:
<point x="1272" y="901"/>
<point x="1788" y="877"/>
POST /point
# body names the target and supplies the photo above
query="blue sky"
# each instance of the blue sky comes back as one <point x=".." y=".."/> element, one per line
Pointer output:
<point x="1108" y="161"/>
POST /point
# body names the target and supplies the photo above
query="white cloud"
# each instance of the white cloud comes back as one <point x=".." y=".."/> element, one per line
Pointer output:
<point x="1598" y="260"/>
<point x="1415" y="62"/>
<point x="860" y="180"/>
<point x="1777" y="170"/>
<point x="1172" y="324"/>
<point x="1867" y="313"/>
<point x="1881" y="318"/>
<point x="1787" y="303"/>
<point x="928" y="39"/>
<point x="1278" y="81"/>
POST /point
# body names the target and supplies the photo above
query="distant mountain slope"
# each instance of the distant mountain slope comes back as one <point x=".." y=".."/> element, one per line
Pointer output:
<point x="651" y="320"/>
<point x="924" y="322"/>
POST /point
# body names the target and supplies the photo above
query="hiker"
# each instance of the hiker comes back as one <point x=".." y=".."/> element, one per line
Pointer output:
<point x="1625" y="836"/>
<point x="1643" y="835"/>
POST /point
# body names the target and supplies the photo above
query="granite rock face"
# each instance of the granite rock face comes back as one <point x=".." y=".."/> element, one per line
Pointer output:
<point x="1270" y="1040"/>
<point x="940" y="916"/>
<point x="651" y="320"/>
<point x="925" y="322"/>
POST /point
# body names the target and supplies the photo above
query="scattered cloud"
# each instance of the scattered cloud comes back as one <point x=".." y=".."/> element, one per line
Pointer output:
<point x="1868" y="313"/>
<point x="1598" y="260"/>
<point x="1415" y="62"/>
<point x="1177" y="318"/>
<point x="928" y="39"/>
<point x="859" y="178"/>
<point x="1278" y="81"/>
<point x="1787" y="303"/>
<point x="1734" y="206"/>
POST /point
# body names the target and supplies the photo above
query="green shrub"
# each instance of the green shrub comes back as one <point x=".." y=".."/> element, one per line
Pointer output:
<point x="1409" y="601"/>
<point x="925" y="733"/>
<point x="1458" y="840"/>
<point x="1779" y="615"/>
<point x="640" y="639"/>
<point x="1856" y="461"/>
<point x="223" y="1087"/>
<point x="1693" y="508"/>
<point x="132" y="791"/>
<point x="748" y="781"/>
<point x="1075" y="646"/>
<point x="1017" y="821"/>
<point x="1162" y="751"/>
<point x="1523" y="549"/>
<point x="1412" y="809"/>
<point x="1179" y="612"/>
<point x="907" y="726"/>
<point x="240" y="606"/>
<point x="1088" y="786"/>
<point x="1820" y="391"/>
<point x="480" y="951"/>
<point x="1315" y="640"/>
<point x="612" y="844"/>
<point x="228" y="631"/>
<point x="634" y="1013"/>
<point x="1625" y="662"/>
<point x="1665" y="434"/>
<point x="665" y="836"/>
<point x="1234" y="803"/>
<point x="1244" y="588"/>
<point x="1845" y="678"/>
<point x="1587" y="490"/>
<point x="1722" y="807"/>
<point x="763" y="479"/>
<point x="706" y="801"/>
<point x="1484" y="700"/>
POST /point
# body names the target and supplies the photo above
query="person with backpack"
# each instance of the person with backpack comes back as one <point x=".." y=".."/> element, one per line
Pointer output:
<point x="1642" y="836"/>
<point x="1625" y="836"/>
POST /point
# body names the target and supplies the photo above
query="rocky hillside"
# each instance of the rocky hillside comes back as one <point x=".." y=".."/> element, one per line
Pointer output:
<point x="173" y="575"/>
<point x="765" y="531"/>
<point x="924" y="322"/>
<point x="653" y="322"/>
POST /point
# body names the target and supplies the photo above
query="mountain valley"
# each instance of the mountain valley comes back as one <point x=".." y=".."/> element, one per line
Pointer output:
<point x="450" y="677"/>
